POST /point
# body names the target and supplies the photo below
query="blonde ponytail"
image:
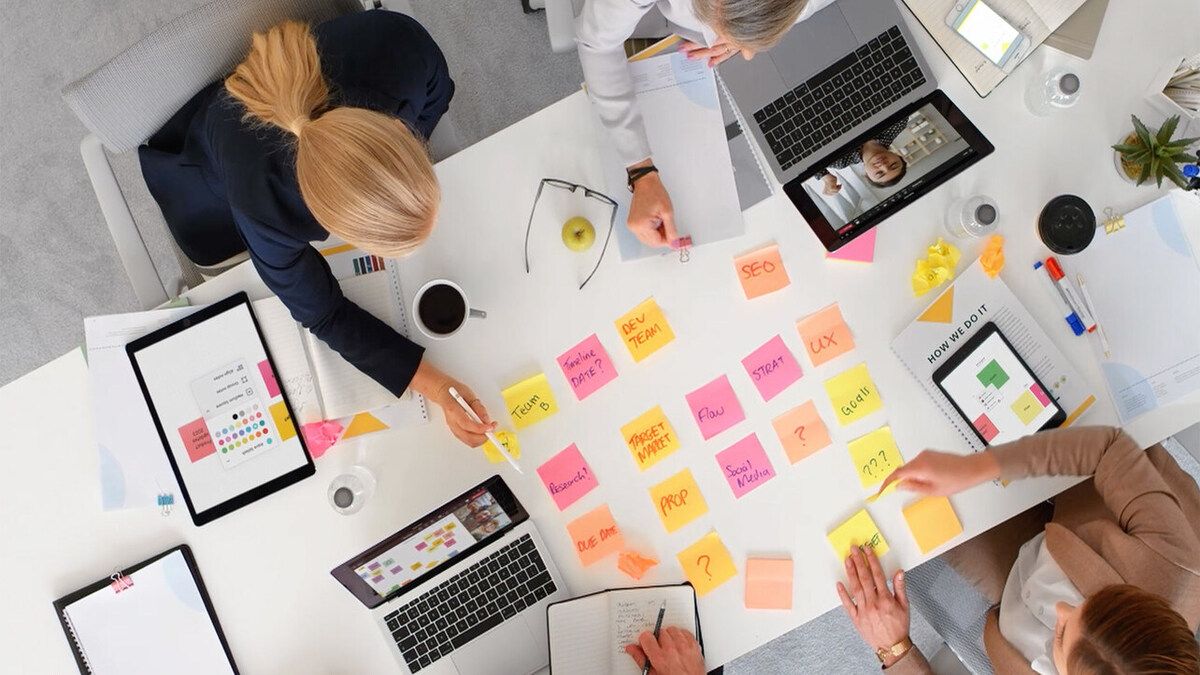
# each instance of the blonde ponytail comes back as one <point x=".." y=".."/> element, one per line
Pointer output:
<point x="365" y="176"/>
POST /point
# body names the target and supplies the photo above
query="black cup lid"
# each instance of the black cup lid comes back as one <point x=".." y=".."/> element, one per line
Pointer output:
<point x="1067" y="224"/>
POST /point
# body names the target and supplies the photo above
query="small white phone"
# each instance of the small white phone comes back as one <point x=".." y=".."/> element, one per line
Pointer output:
<point x="988" y="32"/>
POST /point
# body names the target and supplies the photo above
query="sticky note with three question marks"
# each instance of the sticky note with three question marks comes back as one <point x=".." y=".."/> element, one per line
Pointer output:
<point x="678" y="501"/>
<point x="530" y="401"/>
<point x="595" y="535"/>
<point x="707" y="563"/>
<point x="587" y="367"/>
<point x="567" y="476"/>
<point x="853" y="394"/>
<point x="875" y="456"/>
<point x="859" y="530"/>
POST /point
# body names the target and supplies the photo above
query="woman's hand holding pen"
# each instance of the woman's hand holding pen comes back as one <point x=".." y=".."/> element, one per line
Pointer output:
<point x="675" y="652"/>
<point x="435" y="385"/>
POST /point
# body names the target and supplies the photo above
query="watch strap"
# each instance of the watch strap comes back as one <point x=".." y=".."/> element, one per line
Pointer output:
<point x="899" y="649"/>
<point x="639" y="172"/>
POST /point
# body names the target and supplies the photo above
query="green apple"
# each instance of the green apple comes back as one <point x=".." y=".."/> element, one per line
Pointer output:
<point x="578" y="234"/>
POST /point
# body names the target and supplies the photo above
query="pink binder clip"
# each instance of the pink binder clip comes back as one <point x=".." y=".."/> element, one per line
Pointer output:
<point x="120" y="582"/>
<point x="683" y="245"/>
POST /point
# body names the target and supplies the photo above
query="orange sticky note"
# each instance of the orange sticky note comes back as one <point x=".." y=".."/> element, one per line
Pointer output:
<point x="825" y="334"/>
<point x="707" y="563"/>
<point x="650" y="438"/>
<point x="761" y="271"/>
<point x="859" y="530"/>
<point x="595" y="535"/>
<point x="644" y="329"/>
<point x="678" y="501"/>
<point x="634" y="565"/>
<point x="932" y="522"/>
<point x="768" y="583"/>
<point x="801" y="431"/>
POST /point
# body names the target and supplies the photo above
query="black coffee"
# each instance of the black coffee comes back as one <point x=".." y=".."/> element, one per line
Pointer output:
<point x="442" y="309"/>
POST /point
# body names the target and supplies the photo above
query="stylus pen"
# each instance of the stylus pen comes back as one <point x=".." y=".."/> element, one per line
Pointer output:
<point x="490" y="436"/>
<point x="657" y="627"/>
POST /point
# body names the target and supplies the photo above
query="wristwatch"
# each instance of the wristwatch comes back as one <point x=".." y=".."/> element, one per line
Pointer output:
<point x="897" y="650"/>
<point x="635" y="174"/>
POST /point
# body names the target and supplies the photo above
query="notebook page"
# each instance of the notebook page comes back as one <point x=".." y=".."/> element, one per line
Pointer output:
<point x="158" y="625"/>
<point x="635" y="610"/>
<point x="579" y="631"/>
<point x="285" y="341"/>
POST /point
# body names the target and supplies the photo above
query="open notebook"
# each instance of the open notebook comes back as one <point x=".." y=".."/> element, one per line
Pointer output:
<point x="588" y="634"/>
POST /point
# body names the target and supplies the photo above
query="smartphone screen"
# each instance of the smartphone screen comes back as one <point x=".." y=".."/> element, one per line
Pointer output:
<point x="987" y="30"/>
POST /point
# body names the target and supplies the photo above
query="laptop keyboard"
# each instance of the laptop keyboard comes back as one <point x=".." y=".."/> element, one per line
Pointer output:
<point x="470" y="603"/>
<point x="832" y="102"/>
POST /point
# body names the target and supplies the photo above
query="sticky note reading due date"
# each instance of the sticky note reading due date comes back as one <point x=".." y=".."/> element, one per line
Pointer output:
<point x="530" y="401"/>
<point x="715" y="407"/>
<point x="595" y="535"/>
<point x="587" y="367"/>
<point x="567" y="477"/>
<point x="772" y="368"/>
<point x="677" y="500"/>
<point x="761" y="272"/>
<point x="644" y="330"/>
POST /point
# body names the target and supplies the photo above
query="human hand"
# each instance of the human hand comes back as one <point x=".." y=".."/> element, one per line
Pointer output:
<point x="435" y="386"/>
<point x="832" y="187"/>
<point x="675" y="652"/>
<point x="879" y="615"/>
<point x="651" y="216"/>
<point x="943" y="473"/>
<point x="718" y="53"/>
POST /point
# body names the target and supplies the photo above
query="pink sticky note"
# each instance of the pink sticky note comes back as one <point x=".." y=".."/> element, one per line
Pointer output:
<point x="745" y="465"/>
<point x="715" y="407"/>
<point x="587" y="367"/>
<point x="772" y="368"/>
<point x="567" y="476"/>
<point x="320" y="436"/>
<point x="1039" y="394"/>
<point x="196" y="440"/>
<point x="825" y="334"/>
<point x="985" y="427"/>
<point x="860" y="250"/>
<point x="268" y="376"/>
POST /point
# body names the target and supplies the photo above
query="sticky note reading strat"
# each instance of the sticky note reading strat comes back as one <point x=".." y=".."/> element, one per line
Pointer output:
<point x="595" y="535"/>
<point x="875" y="456"/>
<point x="510" y="443"/>
<point x="772" y="368"/>
<point x="587" y="367"/>
<point x="768" y="583"/>
<point x="707" y="563"/>
<point x="860" y="530"/>
<point x="745" y="465"/>
<point x="650" y="438"/>
<point x="530" y="401"/>
<point x="761" y="272"/>
<point x="567" y="477"/>
<point x="801" y="431"/>
<point x="715" y="407"/>
<point x="644" y="330"/>
<point x="932" y="522"/>
<point x="678" y="501"/>
<point x="825" y="334"/>
<point x="853" y="394"/>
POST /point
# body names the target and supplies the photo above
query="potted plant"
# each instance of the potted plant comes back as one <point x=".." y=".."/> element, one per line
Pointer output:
<point x="1144" y="155"/>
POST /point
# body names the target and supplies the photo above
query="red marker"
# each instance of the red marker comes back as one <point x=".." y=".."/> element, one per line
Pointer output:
<point x="1070" y="294"/>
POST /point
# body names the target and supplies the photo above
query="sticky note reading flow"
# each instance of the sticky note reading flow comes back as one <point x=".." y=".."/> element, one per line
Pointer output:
<point x="761" y="272"/>
<point x="932" y="522"/>
<point x="510" y="443"/>
<point x="768" y="583"/>
<point x="825" y="334"/>
<point x="596" y="535"/>
<point x="772" y="368"/>
<point x="650" y="438"/>
<point x="875" y="456"/>
<point x="745" y="465"/>
<point x="644" y="330"/>
<point x="678" y="501"/>
<point x="801" y="431"/>
<point x="715" y="407"/>
<point x="567" y="476"/>
<point x="707" y="563"/>
<point x="860" y="530"/>
<point x="587" y="367"/>
<point x="853" y="394"/>
<point x="530" y="401"/>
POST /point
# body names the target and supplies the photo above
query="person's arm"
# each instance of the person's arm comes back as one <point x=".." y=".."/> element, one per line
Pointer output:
<point x="674" y="652"/>
<point x="880" y="614"/>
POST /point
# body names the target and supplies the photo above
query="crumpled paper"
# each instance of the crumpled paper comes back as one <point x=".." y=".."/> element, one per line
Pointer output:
<point x="936" y="268"/>
<point x="319" y="436"/>
<point x="992" y="259"/>
<point x="634" y="565"/>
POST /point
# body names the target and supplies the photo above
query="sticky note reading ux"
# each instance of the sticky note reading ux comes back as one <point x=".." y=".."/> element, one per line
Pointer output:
<point x="707" y="563"/>
<point x="825" y="334"/>
<point x="801" y="431"/>
<point x="644" y="330"/>
<point x="530" y="401"/>
<point x="875" y="456"/>
<point x="772" y="368"/>
<point x="761" y="272"/>
<point x="715" y="407"/>
<point x="650" y="438"/>
<point x="677" y="500"/>
<point x="587" y="367"/>
<point x="932" y="522"/>
<point x="745" y="465"/>
<point x="567" y="477"/>
<point x="853" y="394"/>
<point x="860" y="530"/>
<point x="595" y="535"/>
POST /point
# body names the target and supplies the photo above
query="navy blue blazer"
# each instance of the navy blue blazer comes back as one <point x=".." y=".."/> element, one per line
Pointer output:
<point x="226" y="186"/>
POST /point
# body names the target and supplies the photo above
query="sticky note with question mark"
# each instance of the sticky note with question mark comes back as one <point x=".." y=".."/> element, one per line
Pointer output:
<point x="587" y="367"/>
<point x="567" y="476"/>
<point x="875" y="456"/>
<point x="707" y="563"/>
<point x="650" y="437"/>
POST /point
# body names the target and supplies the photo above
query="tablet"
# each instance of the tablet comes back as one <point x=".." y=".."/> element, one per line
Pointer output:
<point x="993" y="389"/>
<point x="224" y="421"/>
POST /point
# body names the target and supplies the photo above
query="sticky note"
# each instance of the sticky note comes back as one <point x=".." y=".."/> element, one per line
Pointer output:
<point x="768" y="583"/>
<point x="595" y="535"/>
<point x="859" y="530"/>
<point x="530" y="401"/>
<point x="761" y="271"/>
<point x="197" y="440"/>
<point x="875" y="456"/>
<point x="707" y="563"/>
<point x="932" y="522"/>
<point x="268" y="376"/>
<point x="860" y="250"/>
<point x="801" y="431"/>
<point x="320" y="436"/>
<point x="567" y="476"/>
<point x="634" y="565"/>
<point x="853" y="394"/>
<point x="678" y="501"/>
<point x="283" y="420"/>
<point x="650" y="438"/>
<point x="363" y="423"/>
<point x="745" y="465"/>
<point x="772" y="368"/>
<point x="1026" y="407"/>
<point x="587" y="367"/>
<point x="644" y="330"/>
<point x="715" y="407"/>
<point x="992" y="375"/>
<point x="825" y="334"/>
<point x="510" y="443"/>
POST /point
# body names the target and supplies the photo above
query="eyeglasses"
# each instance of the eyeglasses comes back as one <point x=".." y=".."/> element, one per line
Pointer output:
<point x="587" y="192"/>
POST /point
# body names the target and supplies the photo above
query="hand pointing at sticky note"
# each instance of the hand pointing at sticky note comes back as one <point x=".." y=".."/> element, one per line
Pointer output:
<point x="943" y="473"/>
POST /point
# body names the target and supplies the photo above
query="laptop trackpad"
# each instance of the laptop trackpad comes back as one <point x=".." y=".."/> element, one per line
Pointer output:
<point x="813" y="45"/>
<point x="508" y="649"/>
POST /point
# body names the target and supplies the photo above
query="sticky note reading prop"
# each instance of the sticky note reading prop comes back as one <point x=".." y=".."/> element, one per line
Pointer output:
<point x="853" y="394"/>
<point x="860" y="530"/>
<point x="634" y="565"/>
<point x="875" y="456"/>
<point x="530" y="401"/>
<point x="707" y="563"/>
<point x="677" y="500"/>
<point x="761" y="272"/>
<point x="567" y="477"/>
<point x="825" y="334"/>
<point x="932" y="522"/>
<point x="768" y="583"/>
<point x="801" y="431"/>
<point x="715" y="407"/>
<point x="510" y="443"/>
<point x="745" y="465"/>
<point x="596" y="535"/>
<point x="772" y="368"/>
<point x="644" y="330"/>
<point x="587" y="367"/>
<point x="650" y="438"/>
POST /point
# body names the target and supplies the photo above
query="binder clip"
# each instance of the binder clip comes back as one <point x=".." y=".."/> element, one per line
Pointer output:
<point x="165" y="501"/>
<point x="120" y="582"/>
<point x="684" y="246"/>
<point x="1113" y="221"/>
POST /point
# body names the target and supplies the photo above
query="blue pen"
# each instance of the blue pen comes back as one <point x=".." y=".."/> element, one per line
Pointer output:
<point x="1068" y="314"/>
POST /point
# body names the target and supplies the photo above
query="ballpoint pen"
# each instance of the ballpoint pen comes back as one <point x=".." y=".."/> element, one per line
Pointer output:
<point x="657" y="627"/>
<point x="490" y="436"/>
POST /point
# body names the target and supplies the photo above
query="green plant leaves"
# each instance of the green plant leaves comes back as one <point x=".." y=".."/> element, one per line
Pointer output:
<point x="1167" y="129"/>
<point x="1156" y="154"/>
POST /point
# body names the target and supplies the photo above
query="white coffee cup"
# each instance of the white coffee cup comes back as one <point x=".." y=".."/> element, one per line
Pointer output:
<point x="445" y="310"/>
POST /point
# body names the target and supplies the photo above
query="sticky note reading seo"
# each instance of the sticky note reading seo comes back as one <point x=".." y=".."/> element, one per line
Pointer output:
<point x="875" y="456"/>
<point x="825" y="334"/>
<point x="707" y="563"/>
<point x="587" y="367"/>
<point x="509" y="441"/>
<point x="860" y="530"/>
<point x="801" y="431"/>
<point x="772" y="368"/>
<point x="761" y="272"/>
<point x="644" y="330"/>
<point x="530" y="401"/>
<point x="745" y="465"/>
<point x="595" y="535"/>
<point x="567" y="476"/>
<point x="932" y="522"/>
<point x="853" y="394"/>
<point x="768" y="583"/>
<point x="678" y="501"/>
<point x="715" y="407"/>
<point x="650" y="438"/>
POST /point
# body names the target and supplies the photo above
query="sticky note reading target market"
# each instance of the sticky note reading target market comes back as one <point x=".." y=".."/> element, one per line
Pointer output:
<point x="650" y="438"/>
<point x="761" y="272"/>
<point x="875" y="456"/>
<point x="932" y="522"/>
<point x="567" y="477"/>
<point x="595" y="535"/>
<point x="707" y="563"/>
<point x="678" y="501"/>
<point x="860" y="530"/>
<point x="644" y="330"/>
<point x="801" y="431"/>
<point x="825" y="334"/>
<point x="510" y="443"/>
<point x="530" y="401"/>
<point x="772" y="368"/>
<point x="853" y="394"/>
<point x="715" y="407"/>
<point x="587" y="367"/>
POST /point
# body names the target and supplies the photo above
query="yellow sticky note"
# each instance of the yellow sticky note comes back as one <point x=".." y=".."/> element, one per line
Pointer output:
<point x="853" y="394"/>
<point x="932" y="522"/>
<point x="875" y="456"/>
<point x="1026" y="407"/>
<point x="761" y="271"/>
<point x="860" y="530"/>
<point x="707" y="563"/>
<point x="768" y="583"/>
<point x="530" y="401"/>
<point x="650" y="437"/>
<point x="510" y="443"/>
<point x="678" y="501"/>
<point x="363" y="423"/>
<point x="283" y="421"/>
<point x="644" y="330"/>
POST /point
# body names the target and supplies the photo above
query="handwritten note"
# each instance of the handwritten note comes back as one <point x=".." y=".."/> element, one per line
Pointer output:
<point x="587" y="367"/>
<point x="650" y="438"/>
<point x="932" y="522"/>
<point x="707" y="563"/>
<point x="768" y="583"/>
<point x="761" y="271"/>
<point x="567" y="476"/>
<point x="772" y="368"/>
<point x="530" y="401"/>
<point x="860" y="530"/>
<point x="801" y="431"/>
<point x="715" y="407"/>
<point x="644" y="330"/>
<point x="875" y="456"/>
<point x="745" y="465"/>
<point x="825" y="334"/>
<point x="678" y="501"/>
<point x="853" y="394"/>
<point x="510" y="443"/>
<point x="595" y="535"/>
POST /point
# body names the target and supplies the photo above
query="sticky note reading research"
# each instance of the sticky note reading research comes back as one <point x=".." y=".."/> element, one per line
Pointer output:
<point x="567" y="476"/>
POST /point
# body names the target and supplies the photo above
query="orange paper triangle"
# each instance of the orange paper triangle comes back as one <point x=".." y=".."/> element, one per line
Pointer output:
<point x="363" y="423"/>
<point x="942" y="309"/>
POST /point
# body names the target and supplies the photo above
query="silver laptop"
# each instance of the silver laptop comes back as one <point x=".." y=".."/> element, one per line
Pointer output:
<point x="462" y="590"/>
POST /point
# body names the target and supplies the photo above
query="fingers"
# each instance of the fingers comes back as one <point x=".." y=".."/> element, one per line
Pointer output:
<point x="863" y="570"/>
<point x="856" y="590"/>
<point x="668" y="639"/>
<point x="648" y="233"/>
<point x="718" y="60"/>
<point x="670" y="234"/>
<point x="847" y="603"/>
<point x="650" y="647"/>
<point x="897" y="475"/>
<point x="877" y="577"/>
<point x="901" y="591"/>
<point x="481" y="411"/>
<point x="635" y="652"/>
<point x="474" y="440"/>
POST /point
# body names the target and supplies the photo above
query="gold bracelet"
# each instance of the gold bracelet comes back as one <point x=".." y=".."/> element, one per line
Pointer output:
<point x="897" y="650"/>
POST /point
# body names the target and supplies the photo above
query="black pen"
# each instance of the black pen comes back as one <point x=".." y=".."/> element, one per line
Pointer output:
<point x="657" y="627"/>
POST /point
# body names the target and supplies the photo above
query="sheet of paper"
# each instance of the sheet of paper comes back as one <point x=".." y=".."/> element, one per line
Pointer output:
<point x="769" y="583"/>
<point x="509" y="440"/>
<point x="932" y="522"/>
<point x="650" y="438"/>
<point x="801" y="431"/>
<point x="567" y="476"/>
<point x="875" y="456"/>
<point x="761" y="271"/>
<point x="859" y="530"/>
<point x="285" y="341"/>
<point x="632" y="611"/>
<point x="825" y="334"/>
<point x="861" y="250"/>
<point x="587" y="367"/>
<point x="715" y="407"/>
<point x="595" y="535"/>
<point x="853" y="394"/>
<point x="772" y="368"/>
<point x="745" y="465"/>
<point x="707" y="563"/>
<point x="644" y="329"/>
<point x="678" y="500"/>
<point x="530" y="401"/>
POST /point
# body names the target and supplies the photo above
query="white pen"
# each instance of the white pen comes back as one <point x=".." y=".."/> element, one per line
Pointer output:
<point x="1091" y="307"/>
<point x="490" y="436"/>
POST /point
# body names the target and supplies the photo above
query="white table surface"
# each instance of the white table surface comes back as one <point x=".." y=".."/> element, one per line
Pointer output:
<point x="267" y="566"/>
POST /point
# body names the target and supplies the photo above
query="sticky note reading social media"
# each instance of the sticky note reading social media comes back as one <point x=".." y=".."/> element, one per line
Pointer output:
<point x="644" y="330"/>
<point x="587" y="367"/>
<point x="530" y="401"/>
<point x="715" y="407"/>
<point x="745" y="465"/>
<point x="932" y="522"/>
<point x="595" y="535"/>
<point x="761" y="272"/>
<point x="650" y="438"/>
<point x="772" y="368"/>
<point x="853" y="394"/>
<point x="801" y="431"/>
<point x="678" y="501"/>
<point x="875" y="456"/>
<point x="860" y="530"/>
<point x="825" y="334"/>
<point x="567" y="476"/>
<point x="707" y="563"/>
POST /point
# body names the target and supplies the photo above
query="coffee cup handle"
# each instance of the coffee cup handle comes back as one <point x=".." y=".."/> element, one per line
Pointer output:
<point x="478" y="313"/>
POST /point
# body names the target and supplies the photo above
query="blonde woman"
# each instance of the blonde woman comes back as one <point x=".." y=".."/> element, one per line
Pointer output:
<point x="318" y="131"/>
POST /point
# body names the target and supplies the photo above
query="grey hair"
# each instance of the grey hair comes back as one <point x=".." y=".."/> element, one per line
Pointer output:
<point x="754" y="24"/>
